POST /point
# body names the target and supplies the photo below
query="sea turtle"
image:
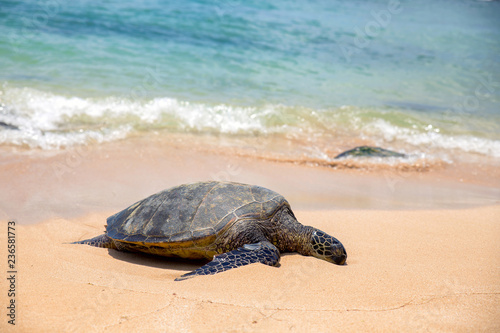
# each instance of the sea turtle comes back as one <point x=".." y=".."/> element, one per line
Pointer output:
<point x="230" y="223"/>
<point x="367" y="151"/>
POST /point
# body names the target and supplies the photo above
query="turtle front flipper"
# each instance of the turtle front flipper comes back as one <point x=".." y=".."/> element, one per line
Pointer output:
<point x="263" y="252"/>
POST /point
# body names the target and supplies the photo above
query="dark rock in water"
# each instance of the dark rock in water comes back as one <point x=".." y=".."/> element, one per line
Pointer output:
<point x="366" y="151"/>
<point x="8" y="126"/>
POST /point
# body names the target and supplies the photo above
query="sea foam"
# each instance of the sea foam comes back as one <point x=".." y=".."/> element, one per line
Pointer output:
<point x="51" y="121"/>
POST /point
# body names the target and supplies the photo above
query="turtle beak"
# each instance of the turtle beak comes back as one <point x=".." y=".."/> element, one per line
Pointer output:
<point x="340" y="256"/>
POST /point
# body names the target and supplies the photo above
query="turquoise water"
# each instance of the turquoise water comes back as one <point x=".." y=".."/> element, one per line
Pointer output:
<point x="417" y="75"/>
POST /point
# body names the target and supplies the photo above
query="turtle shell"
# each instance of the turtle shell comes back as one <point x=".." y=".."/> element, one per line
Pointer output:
<point x="191" y="212"/>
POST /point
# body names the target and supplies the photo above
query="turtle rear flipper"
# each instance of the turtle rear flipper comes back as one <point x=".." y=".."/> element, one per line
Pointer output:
<point x="99" y="241"/>
<point x="263" y="252"/>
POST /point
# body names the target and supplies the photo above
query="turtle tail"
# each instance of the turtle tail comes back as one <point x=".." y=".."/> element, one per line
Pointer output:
<point x="99" y="241"/>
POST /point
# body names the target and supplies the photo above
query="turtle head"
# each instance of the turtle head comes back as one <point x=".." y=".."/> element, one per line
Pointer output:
<point x="327" y="248"/>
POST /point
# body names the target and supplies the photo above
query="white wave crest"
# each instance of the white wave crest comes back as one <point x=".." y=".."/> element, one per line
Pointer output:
<point x="50" y="121"/>
<point x="47" y="120"/>
<point x="434" y="139"/>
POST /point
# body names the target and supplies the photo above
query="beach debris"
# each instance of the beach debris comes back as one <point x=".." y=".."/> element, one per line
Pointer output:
<point x="231" y="224"/>
<point x="367" y="151"/>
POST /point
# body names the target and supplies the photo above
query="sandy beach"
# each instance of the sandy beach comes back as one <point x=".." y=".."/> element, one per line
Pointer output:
<point x="423" y="250"/>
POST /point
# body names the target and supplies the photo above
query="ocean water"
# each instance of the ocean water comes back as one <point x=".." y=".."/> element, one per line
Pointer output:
<point x="422" y="77"/>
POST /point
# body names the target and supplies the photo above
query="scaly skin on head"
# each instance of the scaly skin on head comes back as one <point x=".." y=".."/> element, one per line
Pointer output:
<point x="328" y="248"/>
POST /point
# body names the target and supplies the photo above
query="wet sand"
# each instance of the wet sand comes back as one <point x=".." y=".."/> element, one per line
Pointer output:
<point x="39" y="185"/>
<point x="423" y="250"/>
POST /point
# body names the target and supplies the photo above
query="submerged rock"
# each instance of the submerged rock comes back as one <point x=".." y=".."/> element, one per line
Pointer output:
<point x="367" y="151"/>
<point x="8" y="126"/>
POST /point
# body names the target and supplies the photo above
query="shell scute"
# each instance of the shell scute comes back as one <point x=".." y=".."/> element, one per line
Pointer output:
<point x="271" y="205"/>
<point x="250" y="210"/>
<point x="221" y="200"/>
<point x="262" y="194"/>
<point x="180" y="237"/>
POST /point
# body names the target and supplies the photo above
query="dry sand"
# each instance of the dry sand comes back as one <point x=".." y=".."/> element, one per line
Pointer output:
<point x="426" y="264"/>
<point x="407" y="271"/>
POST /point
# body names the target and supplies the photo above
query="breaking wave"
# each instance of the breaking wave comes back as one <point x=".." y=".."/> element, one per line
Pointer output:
<point x="36" y="119"/>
